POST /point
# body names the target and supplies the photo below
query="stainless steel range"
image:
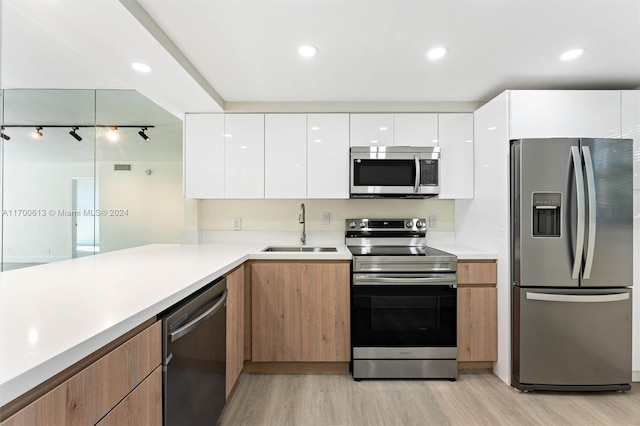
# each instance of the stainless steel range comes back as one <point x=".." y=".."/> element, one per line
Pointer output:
<point x="403" y="301"/>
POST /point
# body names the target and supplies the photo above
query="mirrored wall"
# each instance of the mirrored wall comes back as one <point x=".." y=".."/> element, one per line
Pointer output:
<point x="86" y="172"/>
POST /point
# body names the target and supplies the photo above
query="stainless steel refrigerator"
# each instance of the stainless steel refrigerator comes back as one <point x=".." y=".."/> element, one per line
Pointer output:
<point x="571" y="263"/>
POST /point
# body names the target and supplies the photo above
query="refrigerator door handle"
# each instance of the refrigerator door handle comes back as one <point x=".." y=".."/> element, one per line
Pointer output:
<point x="591" y="191"/>
<point x="577" y="170"/>
<point x="574" y="298"/>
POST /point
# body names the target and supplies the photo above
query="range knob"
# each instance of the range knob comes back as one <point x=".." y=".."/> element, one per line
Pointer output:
<point x="352" y="224"/>
<point x="419" y="224"/>
<point x="409" y="224"/>
<point x="363" y="224"/>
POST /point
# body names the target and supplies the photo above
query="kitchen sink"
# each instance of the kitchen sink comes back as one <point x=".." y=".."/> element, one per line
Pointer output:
<point x="301" y="249"/>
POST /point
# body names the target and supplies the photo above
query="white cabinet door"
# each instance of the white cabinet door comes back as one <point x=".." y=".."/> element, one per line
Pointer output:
<point x="244" y="155"/>
<point x="328" y="156"/>
<point x="204" y="156"/>
<point x="456" y="155"/>
<point x="285" y="144"/>
<point x="415" y="129"/>
<point x="564" y="113"/>
<point x="371" y="130"/>
<point x="631" y="128"/>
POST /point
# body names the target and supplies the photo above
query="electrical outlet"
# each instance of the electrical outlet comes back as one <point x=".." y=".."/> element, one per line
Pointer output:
<point x="326" y="218"/>
<point x="237" y="223"/>
<point x="433" y="221"/>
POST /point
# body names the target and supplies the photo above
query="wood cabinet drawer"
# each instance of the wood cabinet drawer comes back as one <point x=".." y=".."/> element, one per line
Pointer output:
<point x="476" y="272"/>
<point x="90" y="394"/>
<point x="143" y="406"/>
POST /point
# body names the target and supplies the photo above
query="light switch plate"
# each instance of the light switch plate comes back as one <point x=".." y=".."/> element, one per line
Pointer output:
<point x="433" y="221"/>
<point x="326" y="218"/>
<point x="237" y="223"/>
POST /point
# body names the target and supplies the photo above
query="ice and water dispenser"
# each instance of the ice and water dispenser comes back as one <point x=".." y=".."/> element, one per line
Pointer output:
<point x="547" y="208"/>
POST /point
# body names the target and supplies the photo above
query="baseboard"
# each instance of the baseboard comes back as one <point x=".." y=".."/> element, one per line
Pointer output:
<point x="635" y="376"/>
<point x="296" y="367"/>
<point x="475" y="366"/>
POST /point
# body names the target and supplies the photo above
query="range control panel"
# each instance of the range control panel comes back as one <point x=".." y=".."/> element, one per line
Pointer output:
<point x="388" y="225"/>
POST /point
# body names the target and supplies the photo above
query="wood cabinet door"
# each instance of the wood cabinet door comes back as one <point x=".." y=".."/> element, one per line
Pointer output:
<point x="325" y="312"/>
<point x="477" y="324"/>
<point x="275" y="312"/>
<point x="235" y="327"/>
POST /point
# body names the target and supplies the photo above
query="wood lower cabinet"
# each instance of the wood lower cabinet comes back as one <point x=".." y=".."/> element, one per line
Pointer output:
<point x="94" y="391"/>
<point x="235" y="326"/>
<point x="477" y="311"/>
<point x="300" y="311"/>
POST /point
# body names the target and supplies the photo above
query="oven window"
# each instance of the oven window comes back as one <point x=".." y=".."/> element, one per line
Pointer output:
<point x="404" y="316"/>
<point x="384" y="172"/>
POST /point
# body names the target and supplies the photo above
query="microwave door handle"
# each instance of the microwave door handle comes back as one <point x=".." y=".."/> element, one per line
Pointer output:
<point x="416" y="186"/>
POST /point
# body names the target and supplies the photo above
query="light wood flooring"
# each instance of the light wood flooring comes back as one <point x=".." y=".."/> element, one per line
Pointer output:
<point x="474" y="399"/>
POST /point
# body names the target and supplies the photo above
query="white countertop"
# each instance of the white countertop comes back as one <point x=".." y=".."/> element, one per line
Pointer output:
<point x="465" y="253"/>
<point x="53" y="315"/>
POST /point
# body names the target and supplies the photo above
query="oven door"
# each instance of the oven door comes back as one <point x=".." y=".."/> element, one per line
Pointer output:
<point x="410" y="310"/>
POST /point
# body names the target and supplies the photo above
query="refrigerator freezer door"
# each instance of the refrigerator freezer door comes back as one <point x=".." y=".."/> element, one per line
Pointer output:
<point x="608" y="249"/>
<point x="543" y="195"/>
<point x="571" y="340"/>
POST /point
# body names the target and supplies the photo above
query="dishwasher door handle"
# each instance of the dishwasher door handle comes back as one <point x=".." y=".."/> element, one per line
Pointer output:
<point x="175" y="335"/>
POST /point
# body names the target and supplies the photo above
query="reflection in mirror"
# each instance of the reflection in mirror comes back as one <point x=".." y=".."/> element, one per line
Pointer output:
<point x="80" y="188"/>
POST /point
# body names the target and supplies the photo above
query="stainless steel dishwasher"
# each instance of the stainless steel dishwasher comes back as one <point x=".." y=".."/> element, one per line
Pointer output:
<point x="194" y="357"/>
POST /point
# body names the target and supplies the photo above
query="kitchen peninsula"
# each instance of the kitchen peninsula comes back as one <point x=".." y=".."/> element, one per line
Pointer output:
<point x="76" y="307"/>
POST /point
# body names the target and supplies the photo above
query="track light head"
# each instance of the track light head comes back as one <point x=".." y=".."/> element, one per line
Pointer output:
<point x="3" y="135"/>
<point x="143" y="135"/>
<point x="74" y="133"/>
<point x="38" y="133"/>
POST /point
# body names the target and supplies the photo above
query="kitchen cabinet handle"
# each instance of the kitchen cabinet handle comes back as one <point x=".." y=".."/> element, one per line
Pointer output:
<point x="591" y="192"/>
<point x="196" y="322"/>
<point x="577" y="170"/>
<point x="577" y="298"/>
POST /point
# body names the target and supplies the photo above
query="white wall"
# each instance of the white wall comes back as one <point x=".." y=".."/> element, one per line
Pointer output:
<point x="281" y="216"/>
<point x="152" y="205"/>
<point x="44" y="189"/>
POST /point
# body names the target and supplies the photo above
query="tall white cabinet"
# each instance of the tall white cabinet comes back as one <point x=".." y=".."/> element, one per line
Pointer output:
<point x="483" y="222"/>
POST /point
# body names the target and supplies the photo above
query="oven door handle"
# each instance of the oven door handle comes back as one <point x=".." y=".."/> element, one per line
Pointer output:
<point x="368" y="280"/>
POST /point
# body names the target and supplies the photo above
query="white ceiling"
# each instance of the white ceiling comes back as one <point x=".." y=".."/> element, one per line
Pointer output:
<point x="368" y="50"/>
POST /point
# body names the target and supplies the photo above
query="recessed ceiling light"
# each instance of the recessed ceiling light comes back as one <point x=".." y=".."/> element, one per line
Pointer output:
<point x="140" y="67"/>
<point x="315" y="128"/>
<point x="382" y="129"/>
<point x="374" y="141"/>
<point x="572" y="54"/>
<point x="437" y="53"/>
<point x="307" y="51"/>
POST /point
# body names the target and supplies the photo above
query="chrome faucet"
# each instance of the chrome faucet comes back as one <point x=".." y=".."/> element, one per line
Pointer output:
<point x="303" y="236"/>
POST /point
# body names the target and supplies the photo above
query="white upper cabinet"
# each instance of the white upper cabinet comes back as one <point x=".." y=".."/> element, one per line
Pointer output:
<point x="564" y="113"/>
<point x="631" y="128"/>
<point x="415" y="129"/>
<point x="285" y="165"/>
<point x="204" y="156"/>
<point x="244" y="155"/>
<point x="371" y="130"/>
<point x="456" y="155"/>
<point x="328" y="156"/>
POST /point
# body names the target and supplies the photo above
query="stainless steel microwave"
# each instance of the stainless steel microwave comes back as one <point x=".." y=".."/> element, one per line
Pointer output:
<point x="394" y="171"/>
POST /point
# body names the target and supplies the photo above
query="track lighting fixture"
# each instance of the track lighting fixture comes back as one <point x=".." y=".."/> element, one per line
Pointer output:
<point x="74" y="133"/>
<point x="112" y="133"/>
<point x="143" y="135"/>
<point x="38" y="133"/>
<point x="3" y="135"/>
